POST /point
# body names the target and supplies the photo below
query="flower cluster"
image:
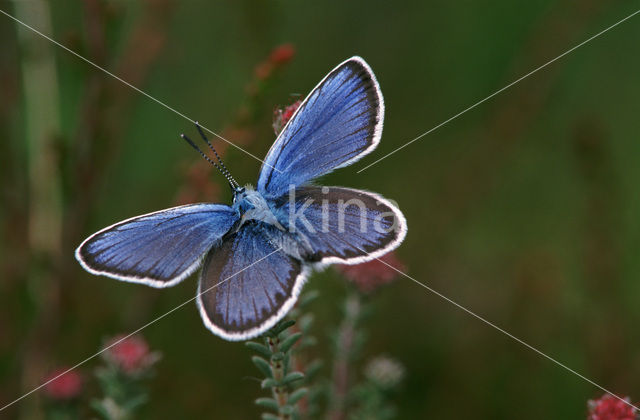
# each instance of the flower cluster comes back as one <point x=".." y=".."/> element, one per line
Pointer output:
<point x="384" y="372"/>
<point x="63" y="384"/>
<point x="371" y="275"/>
<point x="609" y="407"/>
<point x="129" y="363"/>
<point x="282" y="116"/>
<point x="130" y="354"/>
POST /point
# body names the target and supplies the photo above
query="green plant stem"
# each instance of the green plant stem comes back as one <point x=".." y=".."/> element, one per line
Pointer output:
<point x="280" y="393"/>
<point x="343" y="355"/>
<point x="42" y="127"/>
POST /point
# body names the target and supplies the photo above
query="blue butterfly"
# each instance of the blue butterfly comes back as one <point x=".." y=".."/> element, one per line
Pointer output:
<point x="259" y="251"/>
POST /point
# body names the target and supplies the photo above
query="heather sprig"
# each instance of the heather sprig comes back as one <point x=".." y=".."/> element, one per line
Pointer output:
<point x="274" y="362"/>
<point x="372" y="397"/>
<point x="62" y="394"/>
<point x="123" y="377"/>
<point x="282" y="362"/>
<point x="354" y="396"/>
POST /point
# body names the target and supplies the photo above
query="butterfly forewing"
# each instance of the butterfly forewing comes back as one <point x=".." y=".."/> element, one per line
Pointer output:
<point x="158" y="249"/>
<point x="338" y="123"/>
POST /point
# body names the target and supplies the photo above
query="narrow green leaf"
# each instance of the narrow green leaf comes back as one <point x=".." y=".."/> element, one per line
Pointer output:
<point x="277" y="357"/>
<point x="98" y="406"/>
<point x="283" y="326"/>
<point x="267" y="334"/>
<point x="307" y="298"/>
<point x="291" y="377"/>
<point x="262" y="365"/>
<point x="269" y="416"/>
<point x="134" y="402"/>
<point x="297" y="395"/>
<point x="308" y="341"/>
<point x="305" y="322"/>
<point x="269" y="383"/>
<point x="313" y="368"/>
<point x="287" y="363"/>
<point x="288" y="342"/>
<point x="287" y="410"/>
<point x="316" y="393"/>
<point x="259" y="348"/>
<point x="269" y="403"/>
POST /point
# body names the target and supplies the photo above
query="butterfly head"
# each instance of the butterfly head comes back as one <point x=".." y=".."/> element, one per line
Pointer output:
<point x="246" y="199"/>
<point x="251" y="205"/>
<point x="239" y="193"/>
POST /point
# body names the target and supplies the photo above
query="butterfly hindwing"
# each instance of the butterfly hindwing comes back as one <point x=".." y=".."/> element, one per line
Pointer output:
<point x="247" y="284"/>
<point x="157" y="249"/>
<point x="338" y="123"/>
<point x="342" y="225"/>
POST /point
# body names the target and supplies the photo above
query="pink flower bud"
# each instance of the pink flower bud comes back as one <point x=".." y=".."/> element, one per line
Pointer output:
<point x="278" y="58"/>
<point x="131" y="354"/>
<point x="282" y="54"/>
<point x="64" y="385"/>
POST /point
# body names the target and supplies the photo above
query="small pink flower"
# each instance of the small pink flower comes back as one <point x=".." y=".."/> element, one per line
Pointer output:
<point x="279" y="57"/>
<point x="130" y="354"/>
<point x="64" y="385"/>
<point x="373" y="274"/>
<point x="282" y="116"/>
<point x="609" y="407"/>
<point x="282" y="54"/>
<point x="289" y="111"/>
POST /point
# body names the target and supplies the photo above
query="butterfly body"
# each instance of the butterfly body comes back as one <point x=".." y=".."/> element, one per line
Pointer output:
<point x="257" y="253"/>
<point x="251" y="205"/>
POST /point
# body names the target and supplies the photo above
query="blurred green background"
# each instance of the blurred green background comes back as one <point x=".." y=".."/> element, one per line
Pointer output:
<point x="525" y="210"/>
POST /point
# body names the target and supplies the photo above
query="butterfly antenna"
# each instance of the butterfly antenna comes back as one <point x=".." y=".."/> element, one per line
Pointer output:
<point x="192" y="144"/>
<point x="226" y="172"/>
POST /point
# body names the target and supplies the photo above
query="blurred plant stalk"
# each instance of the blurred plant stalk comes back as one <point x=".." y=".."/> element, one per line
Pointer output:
<point x="41" y="128"/>
<point x="343" y="357"/>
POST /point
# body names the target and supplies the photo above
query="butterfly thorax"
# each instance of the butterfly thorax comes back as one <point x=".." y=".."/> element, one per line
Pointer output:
<point x="251" y="205"/>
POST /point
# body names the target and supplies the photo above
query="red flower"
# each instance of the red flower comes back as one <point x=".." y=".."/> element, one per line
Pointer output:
<point x="289" y="111"/>
<point x="282" y="116"/>
<point x="278" y="57"/>
<point x="282" y="54"/>
<point x="64" y="385"/>
<point x="130" y="354"/>
<point x="373" y="274"/>
<point x="609" y="407"/>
